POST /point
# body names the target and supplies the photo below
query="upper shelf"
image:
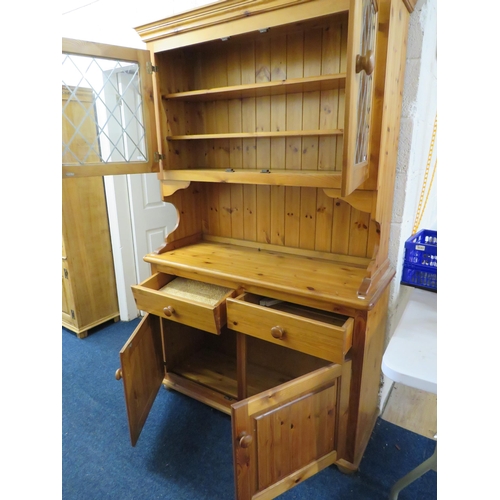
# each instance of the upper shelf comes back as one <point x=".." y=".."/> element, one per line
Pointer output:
<point x="279" y="87"/>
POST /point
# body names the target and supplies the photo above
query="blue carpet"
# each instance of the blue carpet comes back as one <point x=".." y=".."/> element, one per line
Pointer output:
<point x="184" y="451"/>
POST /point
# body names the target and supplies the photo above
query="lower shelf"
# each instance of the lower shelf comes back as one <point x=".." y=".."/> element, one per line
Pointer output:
<point x="211" y="376"/>
<point x="301" y="178"/>
<point x="218" y="371"/>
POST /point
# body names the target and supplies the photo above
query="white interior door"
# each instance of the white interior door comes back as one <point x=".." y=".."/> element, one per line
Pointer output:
<point x="139" y="222"/>
<point x="152" y="219"/>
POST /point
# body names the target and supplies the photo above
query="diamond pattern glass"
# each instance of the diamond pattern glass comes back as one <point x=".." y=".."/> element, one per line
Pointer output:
<point x="102" y="111"/>
<point x="367" y="45"/>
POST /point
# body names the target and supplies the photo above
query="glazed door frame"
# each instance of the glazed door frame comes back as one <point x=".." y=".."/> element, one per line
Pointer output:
<point x="143" y="60"/>
<point x="359" y="93"/>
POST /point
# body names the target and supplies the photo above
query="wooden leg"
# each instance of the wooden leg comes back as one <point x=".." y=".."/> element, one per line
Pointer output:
<point x="345" y="467"/>
<point x="82" y="335"/>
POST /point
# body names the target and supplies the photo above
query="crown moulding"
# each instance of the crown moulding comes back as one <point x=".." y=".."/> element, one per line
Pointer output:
<point x="223" y="12"/>
<point x="231" y="10"/>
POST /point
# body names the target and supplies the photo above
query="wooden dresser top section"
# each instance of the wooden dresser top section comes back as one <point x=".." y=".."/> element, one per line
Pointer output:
<point x="317" y="282"/>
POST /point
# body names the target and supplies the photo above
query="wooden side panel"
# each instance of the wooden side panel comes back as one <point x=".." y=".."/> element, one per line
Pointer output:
<point x="142" y="372"/>
<point x="89" y="261"/>
<point x="286" y="434"/>
<point x="395" y="17"/>
<point x="367" y="350"/>
<point x="371" y="379"/>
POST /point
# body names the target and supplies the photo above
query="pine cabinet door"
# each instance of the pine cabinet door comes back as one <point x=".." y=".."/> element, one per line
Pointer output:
<point x="359" y="93"/>
<point x="285" y="435"/>
<point x="142" y="372"/>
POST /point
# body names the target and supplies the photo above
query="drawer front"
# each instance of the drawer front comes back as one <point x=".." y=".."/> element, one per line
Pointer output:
<point x="317" y="333"/>
<point x="151" y="296"/>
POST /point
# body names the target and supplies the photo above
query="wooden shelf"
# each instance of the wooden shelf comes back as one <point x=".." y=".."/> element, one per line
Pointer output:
<point x="327" y="179"/>
<point x="217" y="371"/>
<point x="255" y="135"/>
<point x="279" y="87"/>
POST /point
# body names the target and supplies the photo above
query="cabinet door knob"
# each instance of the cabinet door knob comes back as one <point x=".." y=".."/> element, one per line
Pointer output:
<point x="244" y="440"/>
<point x="278" y="332"/>
<point x="365" y="63"/>
<point x="118" y="374"/>
<point x="169" y="310"/>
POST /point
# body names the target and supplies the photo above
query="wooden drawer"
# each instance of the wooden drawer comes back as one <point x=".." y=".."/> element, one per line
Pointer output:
<point x="318" y="333"/>
<point x="190" y="302"/>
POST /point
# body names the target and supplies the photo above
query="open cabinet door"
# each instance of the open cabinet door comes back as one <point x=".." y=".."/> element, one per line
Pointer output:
<point x="285" y="435"/>
<point x="112" y="131"/>
<point x="142" y="371"/>
<point x="359" y="93"/>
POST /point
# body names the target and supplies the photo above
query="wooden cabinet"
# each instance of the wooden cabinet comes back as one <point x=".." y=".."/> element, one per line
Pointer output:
<point x="277" y="125"/>
<point x="88" y="282"/>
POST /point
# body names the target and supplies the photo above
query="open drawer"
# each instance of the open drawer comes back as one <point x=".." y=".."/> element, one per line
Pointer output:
<point x="193" y="303"/>
<point x="318" y="333"/>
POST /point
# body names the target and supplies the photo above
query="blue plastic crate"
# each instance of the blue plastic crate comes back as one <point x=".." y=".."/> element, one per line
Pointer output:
<point x="420" y="262"/>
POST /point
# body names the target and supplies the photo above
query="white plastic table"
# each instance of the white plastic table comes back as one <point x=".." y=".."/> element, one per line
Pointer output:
<point x="411" y="356"/>
<point x="411" y="359"/>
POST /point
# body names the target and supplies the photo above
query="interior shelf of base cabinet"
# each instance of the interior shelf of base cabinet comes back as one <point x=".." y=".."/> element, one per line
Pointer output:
<point x="278" y="87"/>
<point x="256" y="135"/>
<point x="328" y="179"/>
<point x="217" y="371"/>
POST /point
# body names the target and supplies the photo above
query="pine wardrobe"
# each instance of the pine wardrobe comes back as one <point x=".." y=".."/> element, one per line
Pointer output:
<point x="277" y="125"/>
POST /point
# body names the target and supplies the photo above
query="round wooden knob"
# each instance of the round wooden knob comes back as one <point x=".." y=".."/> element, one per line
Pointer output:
<point x="244" y="440"/>
<point x="168" y="311"/>
<point x="365" y="63"/>
<point x="278" y="332"/>
<point x="118" y="374"/>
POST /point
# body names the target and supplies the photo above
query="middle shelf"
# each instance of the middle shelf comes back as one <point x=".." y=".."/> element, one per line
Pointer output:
<point x="270" y="88"/>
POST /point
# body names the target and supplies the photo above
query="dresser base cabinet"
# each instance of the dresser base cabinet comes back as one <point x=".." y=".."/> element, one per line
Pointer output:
<point x="285" y="416"/>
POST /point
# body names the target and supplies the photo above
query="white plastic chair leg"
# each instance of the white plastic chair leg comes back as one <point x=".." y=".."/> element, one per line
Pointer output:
<point x="420" y="470"/>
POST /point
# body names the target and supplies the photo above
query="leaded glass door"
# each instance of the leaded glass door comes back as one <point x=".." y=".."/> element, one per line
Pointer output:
<point x="108" y="118"/>
<point x="359" y="94"/>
